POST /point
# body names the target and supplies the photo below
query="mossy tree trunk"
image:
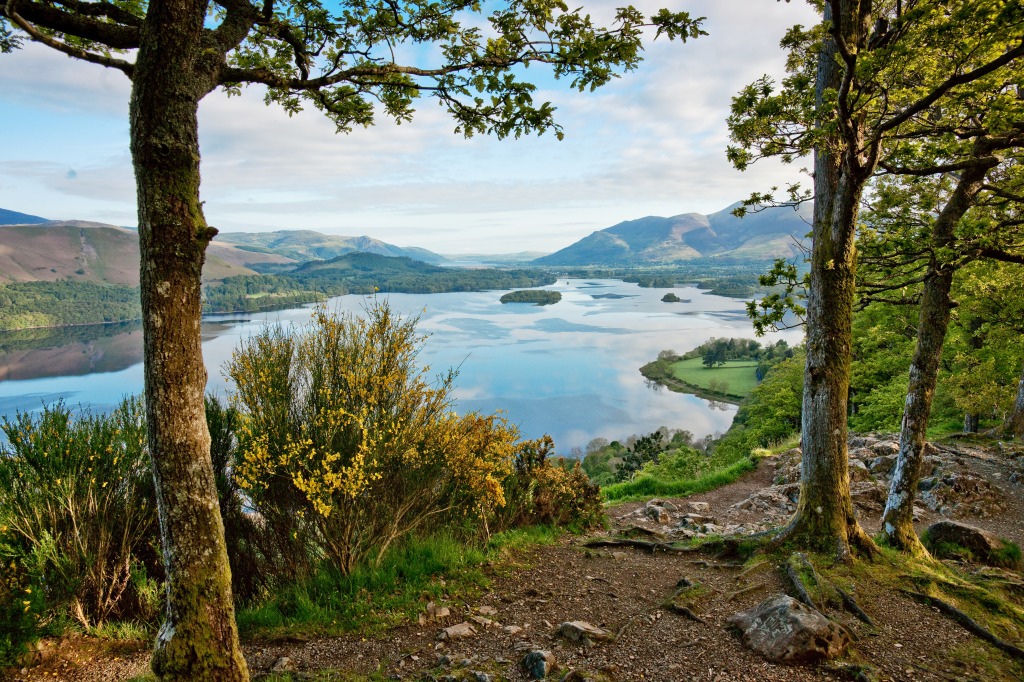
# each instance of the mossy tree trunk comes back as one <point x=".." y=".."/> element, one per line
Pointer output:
<point x="1014" y="425"/>
<point x="199" y="637"/>
<point x="824" y="518"/>
<point x="898" y="518"/>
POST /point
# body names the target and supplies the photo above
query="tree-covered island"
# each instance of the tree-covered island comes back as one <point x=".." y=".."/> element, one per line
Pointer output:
<point x="536" y="296"/>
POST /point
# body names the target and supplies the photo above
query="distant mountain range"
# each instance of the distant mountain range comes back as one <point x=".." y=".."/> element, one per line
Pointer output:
<point x="770" y="233"/>
<point x="36" y="249"/>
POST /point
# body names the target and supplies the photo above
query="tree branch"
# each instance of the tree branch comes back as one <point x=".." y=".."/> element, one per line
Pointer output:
<point x="947" y="85"/>
<point x="27" y="15"/>
<point x="121" y="65"/>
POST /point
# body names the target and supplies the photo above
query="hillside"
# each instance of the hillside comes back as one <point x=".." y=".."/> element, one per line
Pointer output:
<point x="306" y="245"/>
<point x="15" y="218"/>
<point x="656" y="240"/>
<point x="94" y="252"/>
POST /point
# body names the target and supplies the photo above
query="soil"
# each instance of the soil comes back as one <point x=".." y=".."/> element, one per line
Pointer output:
<point x="624" y="590"/>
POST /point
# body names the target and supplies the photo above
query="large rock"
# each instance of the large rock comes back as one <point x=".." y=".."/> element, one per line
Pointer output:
<point x="949" y="539"/>
<point x="783" y="630"/>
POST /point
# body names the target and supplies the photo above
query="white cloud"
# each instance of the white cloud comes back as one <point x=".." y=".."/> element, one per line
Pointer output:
<point x="652" y="142"/>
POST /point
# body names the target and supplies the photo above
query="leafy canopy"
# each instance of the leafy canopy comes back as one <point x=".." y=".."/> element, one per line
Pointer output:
<point x="357" y="59"/>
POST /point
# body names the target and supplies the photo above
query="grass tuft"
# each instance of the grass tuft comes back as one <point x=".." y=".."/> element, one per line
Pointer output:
<point x="648" y="486"/>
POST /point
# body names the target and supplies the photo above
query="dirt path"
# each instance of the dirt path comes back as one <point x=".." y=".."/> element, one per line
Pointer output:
<point x="625" y="592"/>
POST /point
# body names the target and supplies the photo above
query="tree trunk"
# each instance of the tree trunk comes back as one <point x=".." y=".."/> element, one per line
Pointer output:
<point x="824" y="518"/>
<point x="898" y="519"/>
<point x="971" y="422"/>
<point x="198" y="639"/>
<point x="1014" y="425"/>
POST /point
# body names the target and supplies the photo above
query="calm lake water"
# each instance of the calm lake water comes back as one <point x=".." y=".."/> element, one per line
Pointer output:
<point x="569" y="369"/>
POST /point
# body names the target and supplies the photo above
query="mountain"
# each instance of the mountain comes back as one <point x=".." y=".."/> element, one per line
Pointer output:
<point x="35" y="249"/>
<point x="94" y="252"/>
<point x="15" y="218"/>
<point x="306" y="245"/>
<point x="770" y="233"/>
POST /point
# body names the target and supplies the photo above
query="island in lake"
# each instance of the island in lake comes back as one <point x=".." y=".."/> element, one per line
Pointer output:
<point x="536" y="296"/>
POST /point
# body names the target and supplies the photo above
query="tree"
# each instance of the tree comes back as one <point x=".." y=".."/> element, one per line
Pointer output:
<point x="341" y="60"/>
<point x="858" y="84"/>
<point x="949" y="241"/>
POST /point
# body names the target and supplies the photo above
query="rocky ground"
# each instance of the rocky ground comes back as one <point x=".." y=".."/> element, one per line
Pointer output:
<point x="625" y="594"/>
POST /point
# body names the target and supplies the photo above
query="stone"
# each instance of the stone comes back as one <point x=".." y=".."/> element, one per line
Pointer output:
<point x="859" y="471"/>
<point x="512" y="630"/>
<point x="656" y="513"/>
<point x="479" y="676"/>
<point x="484" y="622"/>
<point x="434" y="612"/>
<point x="944" y="537"/>
<point x="459" y="631"/>
<point x="784" y="630"/>
<point x="486" y="610"/>
<point x="538" y="664"/>
<point x="582" y="632"/>
<point x="886" y="448"/>
<point x="883" y="465"/>
<point x="283" y="665"/>
<point x="700" y="507"/>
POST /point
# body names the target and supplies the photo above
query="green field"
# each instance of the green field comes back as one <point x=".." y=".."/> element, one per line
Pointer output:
<point x="735" y="378"/>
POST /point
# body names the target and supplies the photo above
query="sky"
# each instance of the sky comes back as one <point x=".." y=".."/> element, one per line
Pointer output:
<point x="650" y="143"/>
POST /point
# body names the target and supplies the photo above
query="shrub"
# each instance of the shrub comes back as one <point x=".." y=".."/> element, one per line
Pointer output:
<point x="548" y="491"/>
<point x="344" y="446"/>
<point x="77" y="513"/>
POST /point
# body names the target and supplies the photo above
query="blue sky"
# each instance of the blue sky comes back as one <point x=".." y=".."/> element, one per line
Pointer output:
<point x="651" y="143"/>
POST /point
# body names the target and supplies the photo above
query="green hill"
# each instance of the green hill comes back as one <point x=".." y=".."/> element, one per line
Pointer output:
<point x="307" y="245"/>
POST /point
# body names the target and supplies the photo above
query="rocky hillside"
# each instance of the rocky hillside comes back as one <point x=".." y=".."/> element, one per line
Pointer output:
<point x="771" y="233"/>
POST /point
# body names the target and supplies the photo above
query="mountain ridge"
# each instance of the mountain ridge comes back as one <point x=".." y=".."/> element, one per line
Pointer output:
<point x="652" y="240"/>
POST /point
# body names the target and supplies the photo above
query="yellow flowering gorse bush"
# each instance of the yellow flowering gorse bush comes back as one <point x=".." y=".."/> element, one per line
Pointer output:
<point x="343" y="436"/>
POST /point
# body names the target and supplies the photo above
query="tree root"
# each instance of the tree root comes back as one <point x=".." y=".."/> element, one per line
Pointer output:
<point x="652" y="547"/>
<point x="967" y="622"/>
<point x="749" y="588"/>
<point x="853" y="607"/>
<point x="798" y="584"/>
<point x="685" y="611"/>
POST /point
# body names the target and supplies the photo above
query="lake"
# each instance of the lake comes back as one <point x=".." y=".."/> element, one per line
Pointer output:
<point x="570" y="369"/>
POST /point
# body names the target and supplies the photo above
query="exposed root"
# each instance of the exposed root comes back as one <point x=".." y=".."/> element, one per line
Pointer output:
<point x="968" y="623"/>
<point x="745" y="590"/>
<point x="652" y="547"/>
<point x="853" y="607"/>
<point x="798" y="583"/>
<point x="685" y="611"/>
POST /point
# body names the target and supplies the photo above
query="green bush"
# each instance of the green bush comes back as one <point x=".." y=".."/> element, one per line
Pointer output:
<point x="77" y="517"/>
<point x="545" y="490"/>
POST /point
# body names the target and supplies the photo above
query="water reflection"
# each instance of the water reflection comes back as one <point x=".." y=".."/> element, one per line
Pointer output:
<point x="570" y="369"/>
